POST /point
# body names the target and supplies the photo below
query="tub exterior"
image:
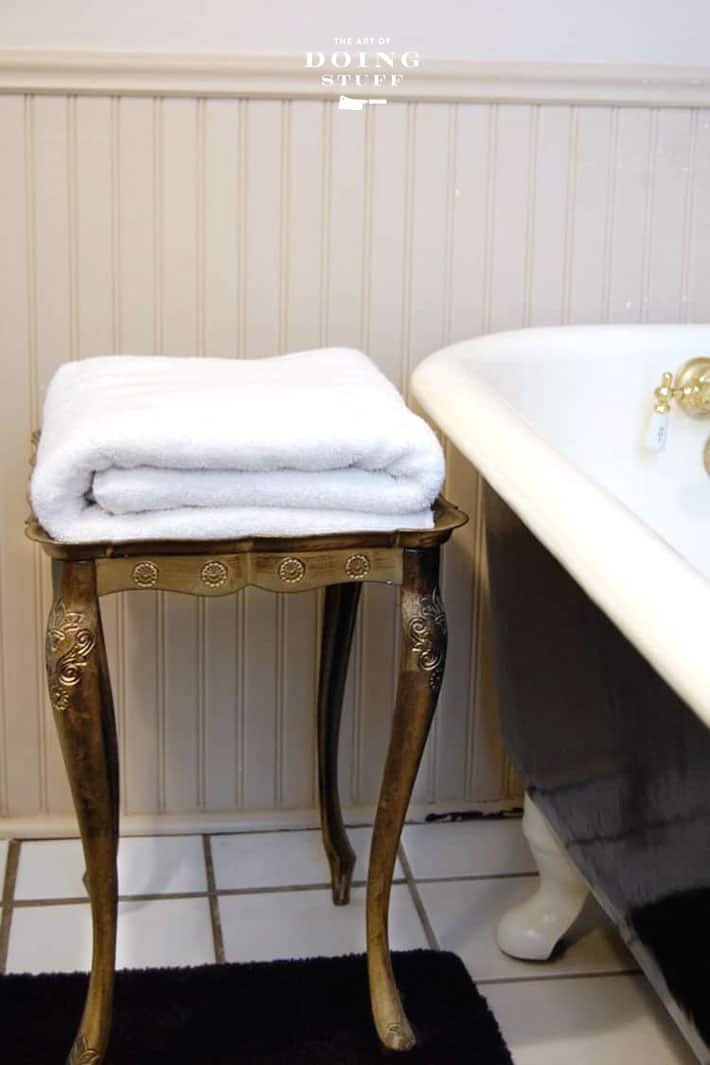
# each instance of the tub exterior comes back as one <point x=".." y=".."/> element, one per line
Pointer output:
<point x="599" y="566"/>
<point x="618" y="764"/>
<point x="614" y="759"/>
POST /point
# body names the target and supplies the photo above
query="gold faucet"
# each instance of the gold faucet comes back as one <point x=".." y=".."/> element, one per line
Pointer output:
<point x="691" y="390"/>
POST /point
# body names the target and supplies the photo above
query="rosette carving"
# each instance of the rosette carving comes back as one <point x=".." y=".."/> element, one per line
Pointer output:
<point x="357" y="566"/>
<point x="291" y="570"/>
<point x="145" y="574"/>
<point x="214" y="573"/>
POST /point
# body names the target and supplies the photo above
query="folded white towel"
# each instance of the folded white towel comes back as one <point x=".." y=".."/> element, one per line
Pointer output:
<point x="141" y="448"/>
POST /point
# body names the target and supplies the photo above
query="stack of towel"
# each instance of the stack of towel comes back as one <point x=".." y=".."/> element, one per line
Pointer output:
<point x="144" y="448"/>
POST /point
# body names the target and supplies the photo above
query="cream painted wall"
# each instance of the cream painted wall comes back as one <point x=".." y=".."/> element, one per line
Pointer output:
<point x="615" y="31"/>
<point x="246" y="227"/>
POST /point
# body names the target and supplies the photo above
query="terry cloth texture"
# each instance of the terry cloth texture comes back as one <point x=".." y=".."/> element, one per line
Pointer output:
<point x="155" y="447"/>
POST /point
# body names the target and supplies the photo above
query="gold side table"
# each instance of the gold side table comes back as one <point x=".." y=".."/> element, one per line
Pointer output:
<point x="80" y="693"/>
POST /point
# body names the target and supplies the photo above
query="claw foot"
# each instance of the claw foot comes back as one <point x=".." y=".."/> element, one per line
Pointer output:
<point x="531" y="930"/>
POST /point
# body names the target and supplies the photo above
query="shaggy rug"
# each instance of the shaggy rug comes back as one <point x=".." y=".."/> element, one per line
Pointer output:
<point x="312" y="1012"/>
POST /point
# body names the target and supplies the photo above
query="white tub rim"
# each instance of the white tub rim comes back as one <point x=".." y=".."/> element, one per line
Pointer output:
<point x="607" y="549"/>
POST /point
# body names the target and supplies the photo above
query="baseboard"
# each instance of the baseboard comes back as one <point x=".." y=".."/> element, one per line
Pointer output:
<point x="52" y="827"/>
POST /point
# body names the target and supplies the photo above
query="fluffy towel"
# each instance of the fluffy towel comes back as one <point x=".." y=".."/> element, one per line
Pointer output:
<point x="142" y="448"/>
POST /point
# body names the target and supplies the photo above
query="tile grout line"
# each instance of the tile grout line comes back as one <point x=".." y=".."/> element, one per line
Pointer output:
<point x="83" y="900"/>
<point x="190" y="835"/>
<point x="274" y="831"/>
<point x="272" y="889"/>
<point x="215" y="918"/>
<point x="417" y="899"/>
<point x="9" y="903"/>
<point x="256" y="831"/>
<point x="472" y="877"/>
<point x="492" y="981"/>
<point x="12" y="862"/>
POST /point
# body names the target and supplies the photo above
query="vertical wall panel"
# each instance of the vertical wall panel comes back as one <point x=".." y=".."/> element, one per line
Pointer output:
<point x="547" y="223"/>
<point x="267" y="126"/>
<point x="53" y="136"/>
<point x="347" y="204"/>
<point x="137" y="224"/>
<point x="669" y="216"/>
<point x="392" y="173"/>
<point x="510" y="216"/>
<point x="347" y="232"/>
<point x="512" y="159"/>
<point x="20" y="636"/>
<point x="433" y="158"/>
<point x="94" y="311"/>
<point x="222" y="179"/>
<point x="587" y="218"/>
<point x="431" y="245"/>
<point x="470" y="220"/>
<point x="92" y="196"/>
<point x="630" y="148"/>
<point x="466" y="298"/>
<point x="389" y="166"/>
<point x="250" y="227"/>
<point x="302" y="226"/>
<point x="698" y="305"/>
<point x="183" y="726"/>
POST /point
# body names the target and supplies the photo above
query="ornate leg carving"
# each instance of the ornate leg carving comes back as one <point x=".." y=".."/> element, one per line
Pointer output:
<point x="531" y="930"/>
<point x="341" y="601"/>
<point x="421" y="671"/>
<point x="80" y="693"/>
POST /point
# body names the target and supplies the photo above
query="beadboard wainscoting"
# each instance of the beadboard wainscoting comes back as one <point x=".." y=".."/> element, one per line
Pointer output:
<point x="247" y="226"/>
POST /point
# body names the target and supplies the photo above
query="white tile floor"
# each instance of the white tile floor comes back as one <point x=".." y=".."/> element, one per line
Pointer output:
<point x="270" y="899"/>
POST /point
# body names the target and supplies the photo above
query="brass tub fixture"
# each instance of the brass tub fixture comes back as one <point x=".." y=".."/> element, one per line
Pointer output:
<point x="691" y="391"/>
<point x="691" y="388"/>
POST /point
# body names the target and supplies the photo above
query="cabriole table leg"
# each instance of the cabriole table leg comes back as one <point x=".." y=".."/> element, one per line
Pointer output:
<point x="339" y="615"/>
<point x="421" y="670"/>
<point x="80" y="693"/>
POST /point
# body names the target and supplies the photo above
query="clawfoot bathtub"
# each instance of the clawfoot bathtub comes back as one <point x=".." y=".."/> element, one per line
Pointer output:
<point x="599" y="559"/>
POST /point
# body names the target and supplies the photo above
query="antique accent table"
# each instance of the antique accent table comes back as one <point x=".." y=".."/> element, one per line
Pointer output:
<point x="80" y="694"/>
